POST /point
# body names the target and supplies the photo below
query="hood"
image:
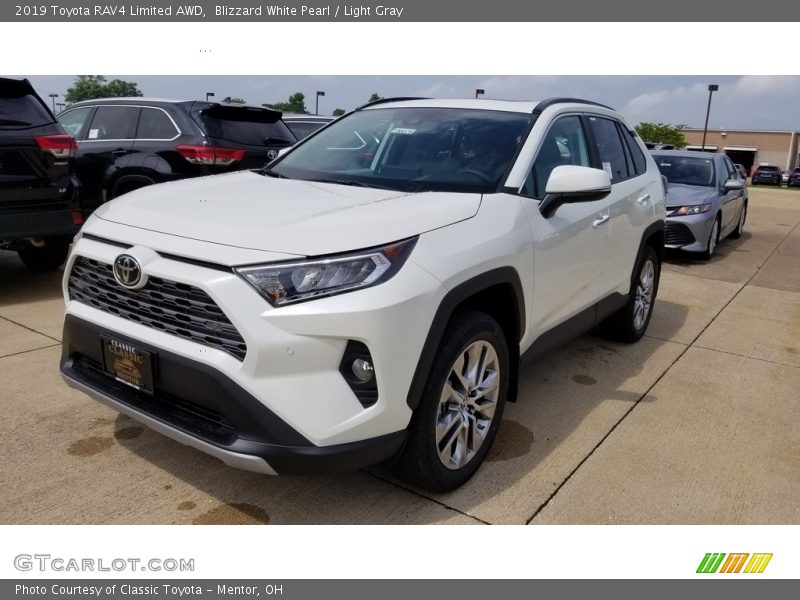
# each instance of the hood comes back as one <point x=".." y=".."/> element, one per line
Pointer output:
<point x="679" y="194"/>
<point x="248" y="210"/>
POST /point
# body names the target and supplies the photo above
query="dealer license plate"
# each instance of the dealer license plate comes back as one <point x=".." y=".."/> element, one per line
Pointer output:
<point x="128" y="364"/>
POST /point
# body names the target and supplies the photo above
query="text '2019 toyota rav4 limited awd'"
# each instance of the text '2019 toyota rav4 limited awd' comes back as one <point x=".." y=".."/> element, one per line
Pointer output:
<point x="368" y="296"/>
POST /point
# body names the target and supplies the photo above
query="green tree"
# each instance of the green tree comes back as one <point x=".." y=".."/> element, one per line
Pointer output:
<point x="660" y="133"/>
<point x="295" y="104"/>
<point x="122" y="89"/>
<point x="88" y="87"/>
<point x="238" y="100"/>
<point x="375" y="97"/>
<point x="337" y="112"/>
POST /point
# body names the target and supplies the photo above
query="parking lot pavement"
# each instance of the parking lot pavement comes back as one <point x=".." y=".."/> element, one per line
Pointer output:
<point x="697" y="423"/>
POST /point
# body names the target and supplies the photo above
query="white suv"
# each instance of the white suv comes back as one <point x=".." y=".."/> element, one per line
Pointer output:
<point x="367" y="297"/>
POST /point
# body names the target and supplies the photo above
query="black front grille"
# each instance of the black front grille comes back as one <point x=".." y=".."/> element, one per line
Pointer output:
<point x="678" y="234"/>
<point x="175" y="308"/>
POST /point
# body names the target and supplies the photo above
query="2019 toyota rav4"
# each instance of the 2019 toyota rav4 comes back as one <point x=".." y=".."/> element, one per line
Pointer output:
<point x="367" y="296"/>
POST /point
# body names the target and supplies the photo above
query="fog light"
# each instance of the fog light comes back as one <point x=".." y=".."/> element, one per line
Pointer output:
<point x="363" y="369"/>
<point x="358" y="371"/>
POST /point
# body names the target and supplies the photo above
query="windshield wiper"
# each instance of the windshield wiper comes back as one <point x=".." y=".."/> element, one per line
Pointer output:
<point x="271" y="173"/>
<point x="13" y="122"/>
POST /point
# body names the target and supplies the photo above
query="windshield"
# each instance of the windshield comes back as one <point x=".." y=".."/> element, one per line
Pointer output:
<point x="411" y="149"/>
<point x="687" y="170"/>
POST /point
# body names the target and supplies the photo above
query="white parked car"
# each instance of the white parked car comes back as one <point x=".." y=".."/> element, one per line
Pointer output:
<point x="368" y="296"/>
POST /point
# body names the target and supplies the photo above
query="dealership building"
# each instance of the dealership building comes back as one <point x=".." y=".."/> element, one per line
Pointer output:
<point x="748" y="147"/>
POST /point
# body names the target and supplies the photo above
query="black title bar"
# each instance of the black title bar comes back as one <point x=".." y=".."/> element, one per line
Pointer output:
<point x="404" y="11"/>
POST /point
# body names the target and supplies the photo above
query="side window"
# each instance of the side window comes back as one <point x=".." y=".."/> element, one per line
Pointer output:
<point x="154" y="124"/>
<point x="74" y="121"/>
<point x="113" y="123"/>
<point x="731" y="171"/>
<point x="639" y="161"/>
<point x="564" y="144"/>
<point x="609" y="148"/>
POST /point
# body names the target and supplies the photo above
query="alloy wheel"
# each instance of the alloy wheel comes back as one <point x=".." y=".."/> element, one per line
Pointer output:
<point x="467" y="404"/>
<point x="644" y="294"/>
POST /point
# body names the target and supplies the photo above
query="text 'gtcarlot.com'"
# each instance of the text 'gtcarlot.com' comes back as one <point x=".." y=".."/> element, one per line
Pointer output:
<point x="46" y="562"/>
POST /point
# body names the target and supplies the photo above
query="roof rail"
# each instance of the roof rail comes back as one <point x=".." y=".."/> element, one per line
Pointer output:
<point x="395" y="99"/>
<point x="548" y="102"/>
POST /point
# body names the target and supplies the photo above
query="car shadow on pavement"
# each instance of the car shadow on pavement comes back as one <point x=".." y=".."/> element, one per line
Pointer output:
<point x="568" y="401"/>
<point x="21" y="286"/>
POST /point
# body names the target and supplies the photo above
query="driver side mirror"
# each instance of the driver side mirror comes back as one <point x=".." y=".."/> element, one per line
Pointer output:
<point x="570" y="183"/>
<point x="734" y="184"/>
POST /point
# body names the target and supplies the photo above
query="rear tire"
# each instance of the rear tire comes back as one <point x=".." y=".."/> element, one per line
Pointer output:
<point x="44" y="258"/>
<point x="462" y="404"/>
<point x="630" y="322"/>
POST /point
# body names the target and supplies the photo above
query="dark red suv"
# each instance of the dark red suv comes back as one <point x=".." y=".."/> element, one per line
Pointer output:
<point x="768" y="175"/>
<point x="39" y="210"/>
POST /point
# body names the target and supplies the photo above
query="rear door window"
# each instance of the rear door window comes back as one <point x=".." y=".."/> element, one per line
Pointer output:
<point x="639" y="161"/>
<point x="113" y="123"/>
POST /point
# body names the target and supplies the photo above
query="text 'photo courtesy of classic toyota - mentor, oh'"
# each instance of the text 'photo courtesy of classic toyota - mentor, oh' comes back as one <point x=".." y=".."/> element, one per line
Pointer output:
<point x="366" y="297"/>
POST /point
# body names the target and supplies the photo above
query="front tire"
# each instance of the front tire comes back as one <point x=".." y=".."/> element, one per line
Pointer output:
<point x="462" y="404"/>
<point x="48" y="257"/>
<point x="630" y="322"/>
<point x="737" y="233"/>
<point x="713" y="240"/>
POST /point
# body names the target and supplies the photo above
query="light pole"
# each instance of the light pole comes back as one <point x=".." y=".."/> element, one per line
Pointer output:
<point x="60" y="106"/>
<point x="53" y="97"/>
<point x="316" y="109"/>
<point x="479" y="92"/>
<point x="209" y="95"/>
<point x="711" y="89"/>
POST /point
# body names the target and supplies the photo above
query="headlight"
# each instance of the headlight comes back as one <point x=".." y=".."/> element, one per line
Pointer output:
<point x="683" y="211"/>
<point x="286" y="283"/>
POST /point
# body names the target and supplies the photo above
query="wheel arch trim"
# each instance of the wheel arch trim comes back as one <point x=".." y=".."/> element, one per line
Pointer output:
<point x="456" y="297"/>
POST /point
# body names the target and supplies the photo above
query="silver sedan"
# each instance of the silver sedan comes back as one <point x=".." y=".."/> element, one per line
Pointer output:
<point x="706" y="200"/>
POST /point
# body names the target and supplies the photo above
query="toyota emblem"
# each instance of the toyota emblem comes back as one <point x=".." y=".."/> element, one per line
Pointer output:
<point x="128" y="272"/>
<point x="272" y="154"/>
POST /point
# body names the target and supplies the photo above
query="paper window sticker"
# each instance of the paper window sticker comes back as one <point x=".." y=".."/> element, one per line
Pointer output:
<point x="93" y="133"/>
<point x="607" y="168"/>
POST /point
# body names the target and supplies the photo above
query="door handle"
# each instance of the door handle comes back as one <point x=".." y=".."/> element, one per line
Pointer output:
<point x="597" y="222"/>
<point x="643" y="198"/>
<point x="119" y="152"/>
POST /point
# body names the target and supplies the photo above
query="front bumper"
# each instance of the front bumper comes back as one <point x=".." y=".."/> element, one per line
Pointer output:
<point x="287" y="393"/>
<point x="689" y="233"/>
<point x="201" y="407"/>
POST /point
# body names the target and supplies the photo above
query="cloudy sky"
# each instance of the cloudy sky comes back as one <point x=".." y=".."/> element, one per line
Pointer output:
<point x="747" y="102"/>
